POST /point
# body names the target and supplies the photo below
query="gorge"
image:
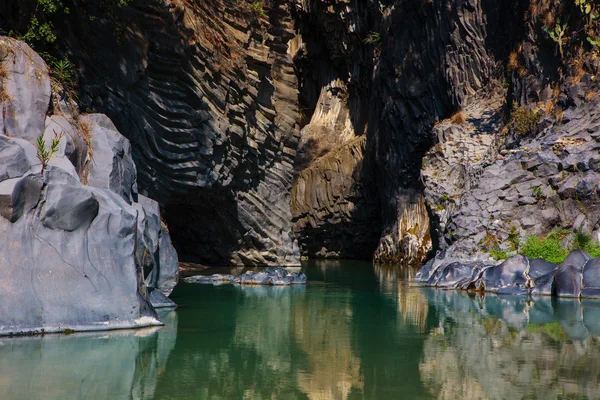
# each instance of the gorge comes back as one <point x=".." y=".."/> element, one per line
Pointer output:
<point x="382" y="199"/>
<point x="135" y="135"/>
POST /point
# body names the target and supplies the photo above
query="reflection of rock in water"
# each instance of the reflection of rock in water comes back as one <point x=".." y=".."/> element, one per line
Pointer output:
<point x="318" y="326"/>
<point x="412" y="305"/>
<point x="108" y="365"/>
<point x="321" y="326"/>
<point x="511" y="348"/>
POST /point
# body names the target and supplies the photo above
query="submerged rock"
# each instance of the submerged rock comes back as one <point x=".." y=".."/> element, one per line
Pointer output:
<point x="268" y="276"/>
<point x="578" y="276"/>
<point x="216" y="278"/>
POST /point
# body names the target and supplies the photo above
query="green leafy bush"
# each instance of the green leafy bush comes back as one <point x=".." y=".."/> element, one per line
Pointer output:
<point x="584" y="242"/>
<point x="549" y="248"/>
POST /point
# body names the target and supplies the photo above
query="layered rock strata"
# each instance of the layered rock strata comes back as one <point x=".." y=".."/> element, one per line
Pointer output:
<point x="207" y="95"/>
<point x="74" y="256"/>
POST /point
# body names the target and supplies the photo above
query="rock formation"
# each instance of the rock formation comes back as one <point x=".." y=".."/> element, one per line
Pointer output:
<point x="77" y="241"/>
<point x="344" y="128"/>
<point x="276" y="276"/>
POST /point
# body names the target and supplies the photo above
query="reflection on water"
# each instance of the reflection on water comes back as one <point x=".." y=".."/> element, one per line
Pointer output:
<point x="497" y="347"/>
<point x="354" y="332"/>
<point x="103" y="365"/>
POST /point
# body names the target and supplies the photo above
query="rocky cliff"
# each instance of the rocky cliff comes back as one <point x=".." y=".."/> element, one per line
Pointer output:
<point x="346" y="128"/>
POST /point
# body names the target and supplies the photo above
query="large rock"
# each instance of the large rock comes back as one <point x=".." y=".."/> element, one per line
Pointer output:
<point x="68" y="261"/>
<point x="578" y="276"/>
<point x="113" y="166"/>
<point x="276" y="276"/>
<point x="206" y="92"/>
<point x="73" y="256"/>
<point x="24" y="90"/>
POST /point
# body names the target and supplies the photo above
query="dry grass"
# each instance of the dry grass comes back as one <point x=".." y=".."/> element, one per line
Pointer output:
<point x="4" y="96"/>
<point x="558" y="114"/>
<point x="86" y="133"/>
<point x="578" y="72"/>
<point x="458" y="118"/>
<point x="513" y="61"/>
<point x="3" y="72"/>
<point x="549" y="106"/>
<point x="590" y="95"/>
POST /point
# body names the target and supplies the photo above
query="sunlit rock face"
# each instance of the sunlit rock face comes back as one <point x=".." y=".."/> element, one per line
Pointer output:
<point x="396" y="80"/>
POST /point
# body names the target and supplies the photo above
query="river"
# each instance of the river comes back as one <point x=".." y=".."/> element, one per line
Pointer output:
<point x="356" y="331"/>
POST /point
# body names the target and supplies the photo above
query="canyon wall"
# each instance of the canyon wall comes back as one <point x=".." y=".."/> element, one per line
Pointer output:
<point x="270" y="130"/>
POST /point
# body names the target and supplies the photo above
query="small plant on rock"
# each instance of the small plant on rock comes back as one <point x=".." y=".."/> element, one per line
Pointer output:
<point x="514" y="239"/>
<point x="45" y="154"/>
<point x="558" y="35"/>
<point x="536" y="192"/>
<point x="258" y="9"/>
<point x="523" y="120"/>
<point x="498" y="254"/>
<point x="372" y="38"/>
<point x="63" y="71"/>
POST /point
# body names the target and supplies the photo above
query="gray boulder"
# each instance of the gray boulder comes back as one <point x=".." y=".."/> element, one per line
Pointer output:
<point x="168" y="270"/>
<point x="568" y="280"/>
<point x="541" y="274"/>
<point x="26" y="90"/>
<point x="508" y="277"/>
<point x="268" y="276"/>
<point x="591" y="279"/>
<point x="72" y="256"/>
<point x="113" y="167"/>
<point x="75" y="248"/>
<point x="13" y="161"/>
<point x="159" y="300"/>
<point x="216" y="278"/>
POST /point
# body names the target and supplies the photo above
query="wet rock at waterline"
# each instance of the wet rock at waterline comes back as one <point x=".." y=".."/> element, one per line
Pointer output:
<point x="269" y="276"/>
<point x="79" y="249"/>
<point x="577" y="276"/>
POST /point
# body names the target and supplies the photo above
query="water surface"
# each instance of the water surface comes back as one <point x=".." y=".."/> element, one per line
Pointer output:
<point x="354" y="332"/>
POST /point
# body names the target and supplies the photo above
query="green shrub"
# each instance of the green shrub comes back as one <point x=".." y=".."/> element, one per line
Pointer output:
<point x="536" y="192"/>
<point x="258" y="8"/>
<point x="62" y="70"/>
<point x="584" y="242"/>
<point x="549" y="248"/>
<point x="498" y="254"/>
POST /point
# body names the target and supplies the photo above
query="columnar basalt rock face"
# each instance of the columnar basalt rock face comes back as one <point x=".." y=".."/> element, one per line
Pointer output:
<point x="333" y="214"/>
<point x="207" y="94"/>
<point x="428" y="67"/>
<point x="70" y="253"/>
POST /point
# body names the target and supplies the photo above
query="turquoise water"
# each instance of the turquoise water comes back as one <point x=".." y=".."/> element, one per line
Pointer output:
<point x="354" y="332"/>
